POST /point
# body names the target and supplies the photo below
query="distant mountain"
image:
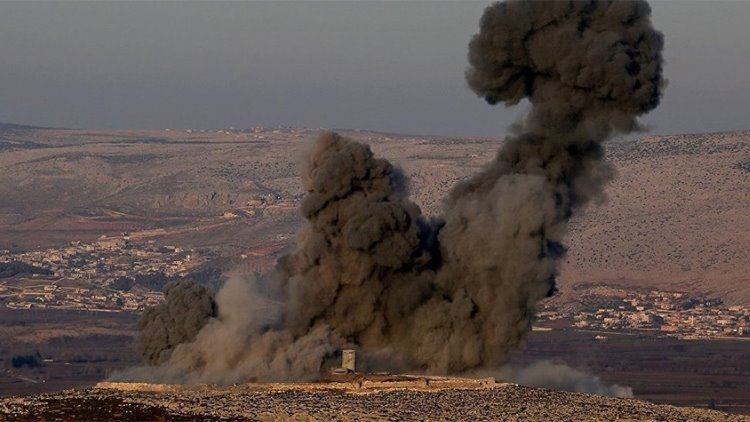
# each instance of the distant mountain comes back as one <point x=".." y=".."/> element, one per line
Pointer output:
<point x="12" y="126"/>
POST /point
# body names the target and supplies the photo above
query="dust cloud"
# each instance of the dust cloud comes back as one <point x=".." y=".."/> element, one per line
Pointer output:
<point x="556" y="376"/>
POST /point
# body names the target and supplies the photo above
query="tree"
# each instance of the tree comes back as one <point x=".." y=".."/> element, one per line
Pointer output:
<point x="29" y="361"/>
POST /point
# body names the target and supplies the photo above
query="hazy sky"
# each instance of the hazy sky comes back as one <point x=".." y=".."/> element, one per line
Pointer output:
<point x="391" y="66"/>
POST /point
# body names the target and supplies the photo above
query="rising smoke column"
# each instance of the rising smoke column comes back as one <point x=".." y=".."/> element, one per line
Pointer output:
<point x="358" y="264"/>
<point x="587" y="68"/>
<point x="457" y="293"/>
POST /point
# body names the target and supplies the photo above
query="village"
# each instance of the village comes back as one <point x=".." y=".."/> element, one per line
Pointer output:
<point x="111" y="274"/>
<point x="118" y="274"/>
<point x="671" y="314"/>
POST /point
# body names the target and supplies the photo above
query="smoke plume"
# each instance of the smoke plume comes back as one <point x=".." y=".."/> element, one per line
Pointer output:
<point x="456" y="293"/>
<point x="186" y="309"/>
<point x="588" y="68"/>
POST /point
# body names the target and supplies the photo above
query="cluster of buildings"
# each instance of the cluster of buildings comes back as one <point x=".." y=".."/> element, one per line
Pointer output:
<point x="97" y="276"/>
<point x="55" y="296"/>
<point x="257" y="132"/>
<point x="673" y="314"/>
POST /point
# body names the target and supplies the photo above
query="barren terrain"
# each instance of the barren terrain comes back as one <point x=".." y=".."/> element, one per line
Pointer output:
<point x="677" y="214"/>
<point x="311" y="402"/>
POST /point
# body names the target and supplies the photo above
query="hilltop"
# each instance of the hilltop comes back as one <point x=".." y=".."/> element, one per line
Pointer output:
<point x="313" y="402"/>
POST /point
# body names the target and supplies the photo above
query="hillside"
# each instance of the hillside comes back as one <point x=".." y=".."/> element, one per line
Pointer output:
<point x="309" y="402"/>
<point x="677" y="215"/>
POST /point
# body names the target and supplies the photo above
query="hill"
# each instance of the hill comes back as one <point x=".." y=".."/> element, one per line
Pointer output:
<point x="677" y="217"/>
<point x="311" y="402"/>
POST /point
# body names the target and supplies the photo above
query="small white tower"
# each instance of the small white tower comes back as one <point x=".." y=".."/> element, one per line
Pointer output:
<point x="348" y="360"/>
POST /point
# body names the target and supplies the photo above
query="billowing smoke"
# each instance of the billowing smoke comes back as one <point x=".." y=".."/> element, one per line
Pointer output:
<point x="456" y="293"/>
<point x="588" y="68"/>
<point x="361" y="268"/>
<point x="187" y="307"/>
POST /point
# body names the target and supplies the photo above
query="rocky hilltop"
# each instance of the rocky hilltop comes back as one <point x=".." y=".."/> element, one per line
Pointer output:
<point x="329" y="402"/>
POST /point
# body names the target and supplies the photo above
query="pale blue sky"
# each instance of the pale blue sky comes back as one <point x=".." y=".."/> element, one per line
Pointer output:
<point x="390" y="66"/>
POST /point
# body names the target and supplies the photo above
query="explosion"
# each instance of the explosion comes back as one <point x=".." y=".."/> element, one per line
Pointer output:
<point x="454" y="293"/>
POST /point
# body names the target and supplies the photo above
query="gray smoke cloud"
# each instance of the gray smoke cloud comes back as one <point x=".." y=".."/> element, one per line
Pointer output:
<point x="457" y="293"/>
<point x="588" y="68"/>
<point x="555" y="376"/>
<point x="187" y="307"/>
<point x="361" y="267"/>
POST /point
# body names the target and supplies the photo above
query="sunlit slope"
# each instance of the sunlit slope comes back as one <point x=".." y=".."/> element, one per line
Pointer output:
<point x="678" y="211"/>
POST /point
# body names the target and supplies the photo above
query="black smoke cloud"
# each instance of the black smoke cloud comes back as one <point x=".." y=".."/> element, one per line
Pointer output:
<point x="588" y="68"/>
<point x="456" y="293"/>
